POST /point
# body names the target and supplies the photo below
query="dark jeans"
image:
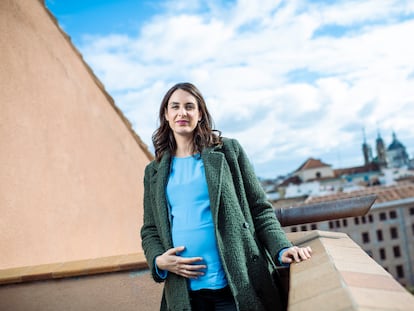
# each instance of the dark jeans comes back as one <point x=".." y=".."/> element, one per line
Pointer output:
<point x="212" y="300"/>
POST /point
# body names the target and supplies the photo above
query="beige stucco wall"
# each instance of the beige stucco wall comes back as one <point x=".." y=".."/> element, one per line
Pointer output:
<point x="71" y="168"/>
<point x="121" y="291"/>
<point x="311" y="173"/>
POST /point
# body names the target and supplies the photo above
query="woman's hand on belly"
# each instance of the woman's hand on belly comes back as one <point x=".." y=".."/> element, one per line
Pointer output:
<point x="188" y="267"/>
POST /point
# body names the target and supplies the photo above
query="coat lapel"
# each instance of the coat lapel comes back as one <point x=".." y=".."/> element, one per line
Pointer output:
<point x="213" y="164"/>
<point x="160" y="183"/>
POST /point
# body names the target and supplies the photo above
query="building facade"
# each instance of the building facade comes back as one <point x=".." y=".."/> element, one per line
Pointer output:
<point x="72" y="167"/>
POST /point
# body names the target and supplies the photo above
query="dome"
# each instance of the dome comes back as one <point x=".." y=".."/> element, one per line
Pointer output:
<point x="395" y="144"/>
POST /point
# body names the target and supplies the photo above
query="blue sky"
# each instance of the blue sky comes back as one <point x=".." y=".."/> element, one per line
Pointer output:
<point x="289" y="79"/>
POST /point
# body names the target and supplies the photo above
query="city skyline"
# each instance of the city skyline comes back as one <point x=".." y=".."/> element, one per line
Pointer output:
<point x="289" y="79"/>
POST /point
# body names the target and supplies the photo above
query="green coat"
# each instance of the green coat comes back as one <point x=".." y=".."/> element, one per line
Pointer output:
<point x="245" y="223"/>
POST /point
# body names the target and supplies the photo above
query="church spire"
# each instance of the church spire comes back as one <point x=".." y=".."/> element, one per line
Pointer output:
<point x="381" y="152"/>
<point x="366" y="149"/>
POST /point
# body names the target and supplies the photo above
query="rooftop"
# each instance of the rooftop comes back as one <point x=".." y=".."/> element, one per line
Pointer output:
<point x="312" y="163"/>
<point x="371" y="167"/>
<point x="383" y="193"/>
<point x="339" y="276"/>
<point x="400" y="191"/>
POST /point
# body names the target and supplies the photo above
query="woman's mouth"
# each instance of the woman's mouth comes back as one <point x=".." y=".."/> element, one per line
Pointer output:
<point x="182" y="122"/>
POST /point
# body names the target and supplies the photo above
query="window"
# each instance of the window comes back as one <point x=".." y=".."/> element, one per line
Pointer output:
<point x="293" y="229"/>
<point x="338" y="224"/>
<point x="364" y="220"/>
<point x="394" y="233"/>
<point x="303" y="228"/>
<point x="331" y="225"/>
<point x="382" y="254"/>
<point x="400" y="271"/>
<point x="397" y="252"/>
<point x="314" y="227"/>
<point x="411" y="210"/>
<point x="379" y="235"/>
<point x="393" y="214"/>
<point x="370" y="218"/>
<point x="345" y="222"/>
<point x="412" y="228"/>
<point x="365" y="237"/>
<point x="356" y="220"/>
<point x="318" y="175"/>
<point x="383" y="216"/>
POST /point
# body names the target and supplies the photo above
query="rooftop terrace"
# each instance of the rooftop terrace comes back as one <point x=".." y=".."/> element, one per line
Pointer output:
<point x="70" y="216"/>
<point x="339" y="276"/>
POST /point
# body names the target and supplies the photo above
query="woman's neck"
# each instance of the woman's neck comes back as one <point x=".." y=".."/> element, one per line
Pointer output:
<point x="184" y="147"/>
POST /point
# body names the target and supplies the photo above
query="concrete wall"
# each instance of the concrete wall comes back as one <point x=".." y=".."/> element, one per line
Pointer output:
<point x="122" y="291"/>
<point x="71" y="167"/>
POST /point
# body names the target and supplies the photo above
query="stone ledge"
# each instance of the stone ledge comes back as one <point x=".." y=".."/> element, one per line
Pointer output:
<point x="341" y="276"/>
<point x="73" y="268"/>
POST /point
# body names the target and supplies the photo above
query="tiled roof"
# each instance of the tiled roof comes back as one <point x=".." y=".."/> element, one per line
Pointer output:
<point x="291" y="180"/>
<point x="312" y="163"/>
<point x="384" y="193"/>
<point x="357" y="170"/>
<point x="288" y="202"/>
<point x="400" y="191"/>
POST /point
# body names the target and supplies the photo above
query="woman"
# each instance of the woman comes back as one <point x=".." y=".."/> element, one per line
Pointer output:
<point x="207" y="223"/>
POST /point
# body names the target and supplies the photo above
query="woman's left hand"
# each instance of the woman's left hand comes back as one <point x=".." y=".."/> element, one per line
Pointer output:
<point x="296" y="254"/>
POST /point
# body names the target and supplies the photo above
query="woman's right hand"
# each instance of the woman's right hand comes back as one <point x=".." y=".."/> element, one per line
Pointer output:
<point x="184" y="266"/>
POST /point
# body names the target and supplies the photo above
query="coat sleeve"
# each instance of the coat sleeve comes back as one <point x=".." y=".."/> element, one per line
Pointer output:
<point x="267" y="228"/>
<point x="150" y="239"/>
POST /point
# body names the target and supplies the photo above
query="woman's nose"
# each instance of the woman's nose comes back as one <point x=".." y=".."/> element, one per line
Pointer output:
<point x="182" y="111"/>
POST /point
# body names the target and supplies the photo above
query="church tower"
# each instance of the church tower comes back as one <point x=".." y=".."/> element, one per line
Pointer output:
<point x="366" y="150"/>
<point x="381" y="151"/>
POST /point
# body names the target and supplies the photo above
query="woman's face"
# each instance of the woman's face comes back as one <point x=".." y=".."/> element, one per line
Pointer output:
<point x="182" y="113"/>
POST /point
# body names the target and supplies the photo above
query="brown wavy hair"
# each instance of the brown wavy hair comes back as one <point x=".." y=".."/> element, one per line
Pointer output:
<point x="203" y="136"/>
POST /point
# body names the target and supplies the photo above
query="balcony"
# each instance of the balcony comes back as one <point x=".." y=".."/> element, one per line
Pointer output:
<point x="339" y="276"/>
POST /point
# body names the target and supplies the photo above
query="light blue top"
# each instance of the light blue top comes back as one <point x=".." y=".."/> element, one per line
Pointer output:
<point x="191" y="219"/>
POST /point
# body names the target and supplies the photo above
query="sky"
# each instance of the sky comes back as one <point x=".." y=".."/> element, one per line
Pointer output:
<point x="288" y="79"/>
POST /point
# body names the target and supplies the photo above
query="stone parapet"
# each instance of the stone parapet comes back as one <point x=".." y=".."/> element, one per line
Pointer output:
<point x="341" y="276"/>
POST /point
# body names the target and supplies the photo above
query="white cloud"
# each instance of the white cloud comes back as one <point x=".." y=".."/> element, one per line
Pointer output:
<point x="242" y="57"/>
<point x="351" y="12"/>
